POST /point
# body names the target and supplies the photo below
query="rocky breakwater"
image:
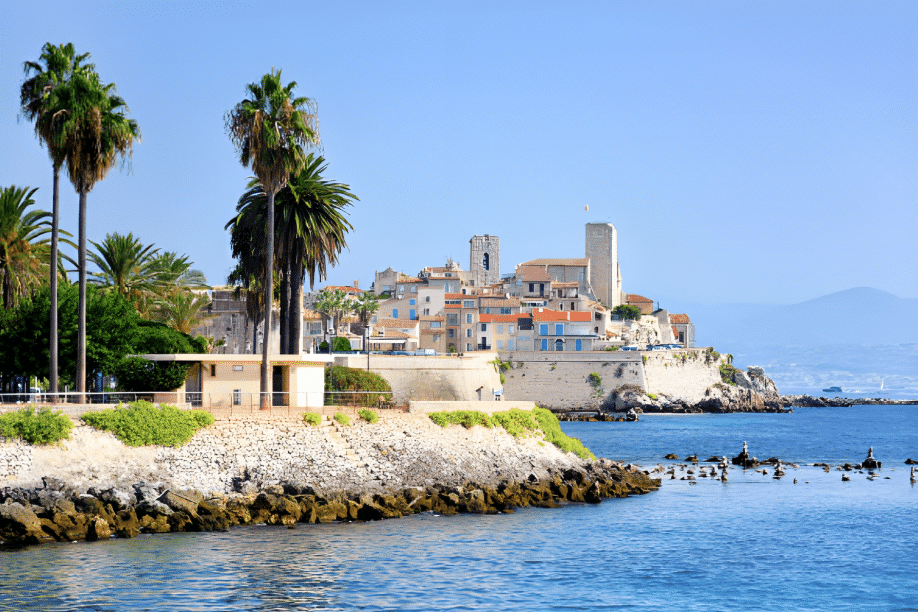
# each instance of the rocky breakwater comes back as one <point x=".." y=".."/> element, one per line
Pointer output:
<point x="283" y="472"/>
<point x="739" y="391"/>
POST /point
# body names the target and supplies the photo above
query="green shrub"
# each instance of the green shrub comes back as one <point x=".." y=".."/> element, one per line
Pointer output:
<point x="138" y="374"/>
<point x="652" y="396"/>
<point x="141" y="423"/>
<point x="340" y="378"/>
<point x="36" y="426"/>
<point x="342" y="418"/>
<point x="368" y="415"/>
<point x="312" y="418"/>
<point x="517" y="422"/>
<point x="612" y="348"/>
<point x="727" y="373"/>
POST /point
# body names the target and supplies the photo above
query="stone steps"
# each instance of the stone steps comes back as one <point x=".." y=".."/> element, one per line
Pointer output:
<point x="332" y="431"/>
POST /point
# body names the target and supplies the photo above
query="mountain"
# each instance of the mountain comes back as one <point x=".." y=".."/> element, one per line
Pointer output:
<point x="858" y="339"/>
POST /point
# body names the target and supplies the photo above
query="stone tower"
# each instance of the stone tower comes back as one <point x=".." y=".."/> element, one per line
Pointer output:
<point x="484" y="259"/>
<point x="602" y="251"/>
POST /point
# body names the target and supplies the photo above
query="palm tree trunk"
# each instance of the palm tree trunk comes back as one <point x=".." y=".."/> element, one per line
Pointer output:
<point x="269" y="296"/>
<point x="296" y="314"/>
<point x="285" y="308"/>
<point x="54" y="229"/>
<point x="81" y="317"/>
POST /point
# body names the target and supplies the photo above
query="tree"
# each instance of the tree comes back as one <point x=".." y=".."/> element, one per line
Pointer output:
<point x="310" y="228"/>
<point x="270" y="130"/>
<point x="628" y="313"/>
<point x="24" y="257"/>
<point x="126" y="267"/>
<point x="138" y="374"/>
<point x="94" y="134"/>
<point x="181" y="310"/>
<point x="365" y="307"/>
<point x="333" y="304"/>
<point x="55" y="66"/>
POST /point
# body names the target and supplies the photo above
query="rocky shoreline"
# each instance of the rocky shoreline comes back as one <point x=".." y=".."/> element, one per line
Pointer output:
<point x="280" y="471"/>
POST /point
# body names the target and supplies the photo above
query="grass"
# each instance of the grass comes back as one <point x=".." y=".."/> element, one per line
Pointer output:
<point x="517" y="423"/>
<point x="36" y="426"/>
<point x="141" y="423"/>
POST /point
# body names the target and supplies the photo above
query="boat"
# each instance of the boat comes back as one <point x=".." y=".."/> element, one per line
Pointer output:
<point x="832" y="390"/>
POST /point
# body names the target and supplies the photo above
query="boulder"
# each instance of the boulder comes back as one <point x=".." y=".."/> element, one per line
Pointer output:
<point x="182" y="500"/>
<point x="19" y="525"/>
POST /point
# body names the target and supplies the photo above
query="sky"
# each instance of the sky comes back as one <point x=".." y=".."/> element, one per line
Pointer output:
<point x="760" y="152"/>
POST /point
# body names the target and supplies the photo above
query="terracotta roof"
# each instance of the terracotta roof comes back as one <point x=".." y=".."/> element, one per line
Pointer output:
<point x="495" y="301"/>
<point x="679" y="318"/>
<point x="559" y="285"/>
<point x="395" y="323"/>
<point x="544" y="314"/>
<point x="430" y="332"/>
<point x="634" y="297"/>
<point x="432" y="318"/>
<point x="453" y="305"/>
<point x="454" y="296"/>
<point x="510" y="318"/>
<point x="345" y="289"/>
<point x="557" y="262"/>
<point x="675" y="331"/>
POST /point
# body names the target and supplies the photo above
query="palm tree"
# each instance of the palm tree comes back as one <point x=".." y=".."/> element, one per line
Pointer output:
<point x="333" y="304"/>
<point x="182" y="310"/>
<point x="55" y="66"/>
<point x="270" y="130"/>
<point x="24" y="259"/>
<point x="365" y="307"/>
<point x="310" y="228"/>
<point x="126" y="266"/>
<point x="94" y="133"/>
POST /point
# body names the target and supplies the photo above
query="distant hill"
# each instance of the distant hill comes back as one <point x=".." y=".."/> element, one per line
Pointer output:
<point x="858" y="339"/>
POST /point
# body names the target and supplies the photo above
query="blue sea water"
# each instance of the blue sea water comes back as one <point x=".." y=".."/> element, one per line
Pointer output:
<point x="752" y="543"/>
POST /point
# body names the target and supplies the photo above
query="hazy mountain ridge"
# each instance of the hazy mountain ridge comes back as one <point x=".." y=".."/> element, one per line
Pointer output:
<point x="857" y="339"/>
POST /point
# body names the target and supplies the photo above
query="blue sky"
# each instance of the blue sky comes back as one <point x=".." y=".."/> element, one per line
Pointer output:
<point x="746" y="152"/>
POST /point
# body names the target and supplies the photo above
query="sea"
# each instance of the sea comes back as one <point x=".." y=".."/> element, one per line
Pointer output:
<point x="807" y="541"/>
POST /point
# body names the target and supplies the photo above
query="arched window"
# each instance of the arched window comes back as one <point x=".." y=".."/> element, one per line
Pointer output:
<point x="559" y="345"/>
<point x="486" y="262"/>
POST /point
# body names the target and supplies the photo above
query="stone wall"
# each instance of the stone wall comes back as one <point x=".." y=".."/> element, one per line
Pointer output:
<point x="432" y="378"/>
<point x="681" y="374"/>
<point x="561" y="380"/>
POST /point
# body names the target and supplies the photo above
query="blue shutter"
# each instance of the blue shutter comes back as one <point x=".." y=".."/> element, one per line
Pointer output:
<point x="543" y="329"/>
<point x="559" y="329"/>
<point x="411" y="314"/>
<point x="544" y="344"/>
<point x="395" y="313"/>
<point x="578" y="345"/>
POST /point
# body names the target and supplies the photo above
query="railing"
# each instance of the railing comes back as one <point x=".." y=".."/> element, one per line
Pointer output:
<point x="366" y="399"/>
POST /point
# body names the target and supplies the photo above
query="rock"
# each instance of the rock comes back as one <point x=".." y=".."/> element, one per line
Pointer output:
<point x="870" y="463"/>
<point x="672" y="457"/>
<point x="98" y="529"/>
<point x="19" y="525"/>
<point x="118" y="498"/>
<point x="184" y="500"/>
<point x="911" y="462"/>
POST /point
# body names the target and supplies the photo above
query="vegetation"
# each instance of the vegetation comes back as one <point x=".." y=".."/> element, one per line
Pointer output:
<point x="341" y="378"/>
<point x="595" y="381"/>
<point x="652" y="396"/>
<point x="728" y="373"/>
<point x="612" y="348"/>
<point x="36" y="426"/>
<point x="500" y="367"/>
<point x="342" y="418"/>
<point x="270" y="129"/>
<point x="365" y="307"/>
<point x="517" y="422"/>
<point x="141" y="423"/>
<point x="24" y="258"/>
<point x="334" y="305"/>
<point x="710" y="356"/>
<point x="368" y="415"/>
<point x="312" y="418"/>
<point x="628" y="313"/>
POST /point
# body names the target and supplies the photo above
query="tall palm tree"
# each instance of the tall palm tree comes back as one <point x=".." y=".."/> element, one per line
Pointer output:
<point x="55" y="66"/>
<point x="333" y="304"/>
<point x="94" y="133"/>
<point x="310" y="228"/>
<point x="24" y="256"/>
<point x="126" y="266"/>
<point x="182" y="310"/>
<point x="270" y="130"/>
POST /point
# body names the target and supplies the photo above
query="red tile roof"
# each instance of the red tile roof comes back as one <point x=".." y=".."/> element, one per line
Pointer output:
<point x="534" y="274"/>
<point x="679" y="318"/>
<point x="544" y="314"/>
<point x="557" y="262"/>
<point x="345" y="289"/>
<point x="634" y="297"/>
<point x="510" y="318"/>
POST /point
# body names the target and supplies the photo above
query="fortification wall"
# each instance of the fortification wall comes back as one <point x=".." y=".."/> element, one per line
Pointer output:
<point x="562" y="380"/>
<point x="433" y="378"/>
<point x="680" y="374"/>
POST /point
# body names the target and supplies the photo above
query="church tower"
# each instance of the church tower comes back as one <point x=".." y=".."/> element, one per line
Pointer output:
<point x="602" y="251"/>
<point x="484" y="259"/>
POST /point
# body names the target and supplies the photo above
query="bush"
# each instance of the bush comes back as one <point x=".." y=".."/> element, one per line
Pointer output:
<point x="466" y="418"/>
<point x="515" y="421"/>
<point x="727" y="373"/>
<point x="36" y="426"/>
<point x="141" y="423"/>
<point x="554" y="434"/>
<point x="138" y="374"/>
<point x="342" y="418"/>
<point x="312" y="418"/>
<point x="368" y="415"/>
<point x="340" y="378"/>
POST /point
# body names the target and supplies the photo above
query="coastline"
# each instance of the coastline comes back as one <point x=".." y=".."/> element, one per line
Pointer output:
<point x="280" y="471"/>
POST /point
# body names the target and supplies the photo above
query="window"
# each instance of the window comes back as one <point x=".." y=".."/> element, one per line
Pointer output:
<point x="487" y="310"/>
<point x="427" y="312"/>
<point x="559" y="329"/>
<point x="510" y="345"/>
<point x="484" y="327"/>
<point x="451" y="333"/>
<point x="544" y="344"/>
<point x="468" y="317"/>
<point x="395" y="313"/>
<point x="414" y="288"/>
<point x="237" y="368"/>
<point x="468" y="303"/>
<point x="510" y="329"/>
<point x="572" y="306"/>
<point x="500" y="345"/>
<point x="213" y="369"/>
<point x="468" y="347"/>
<point x="411" y="314"/>
<point x="446" y="287"/>
<point x="401" y="288"/>
<point x="559" y="344"/>
<point x="531" y="287"/>
<point x="578" y="345"/>
<point x="505" y="311"/>
<point x="543" y="329"/>
<point x="436" y="324"/>
<point x="561" y="306"/>
<point x="486" y="261"/>
<point x="427" y="299"/>
<point x="411" y="302"/>
<point x="500" y="329"/>
<point x="452" y="319"/>
<point x="468" y="333"/>
<point x="436" y="338"/>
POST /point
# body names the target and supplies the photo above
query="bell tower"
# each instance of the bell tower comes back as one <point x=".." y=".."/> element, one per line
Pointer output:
<point x="484" y="259"/>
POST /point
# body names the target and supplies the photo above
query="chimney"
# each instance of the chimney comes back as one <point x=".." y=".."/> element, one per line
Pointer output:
<point x="355" y="284"/>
